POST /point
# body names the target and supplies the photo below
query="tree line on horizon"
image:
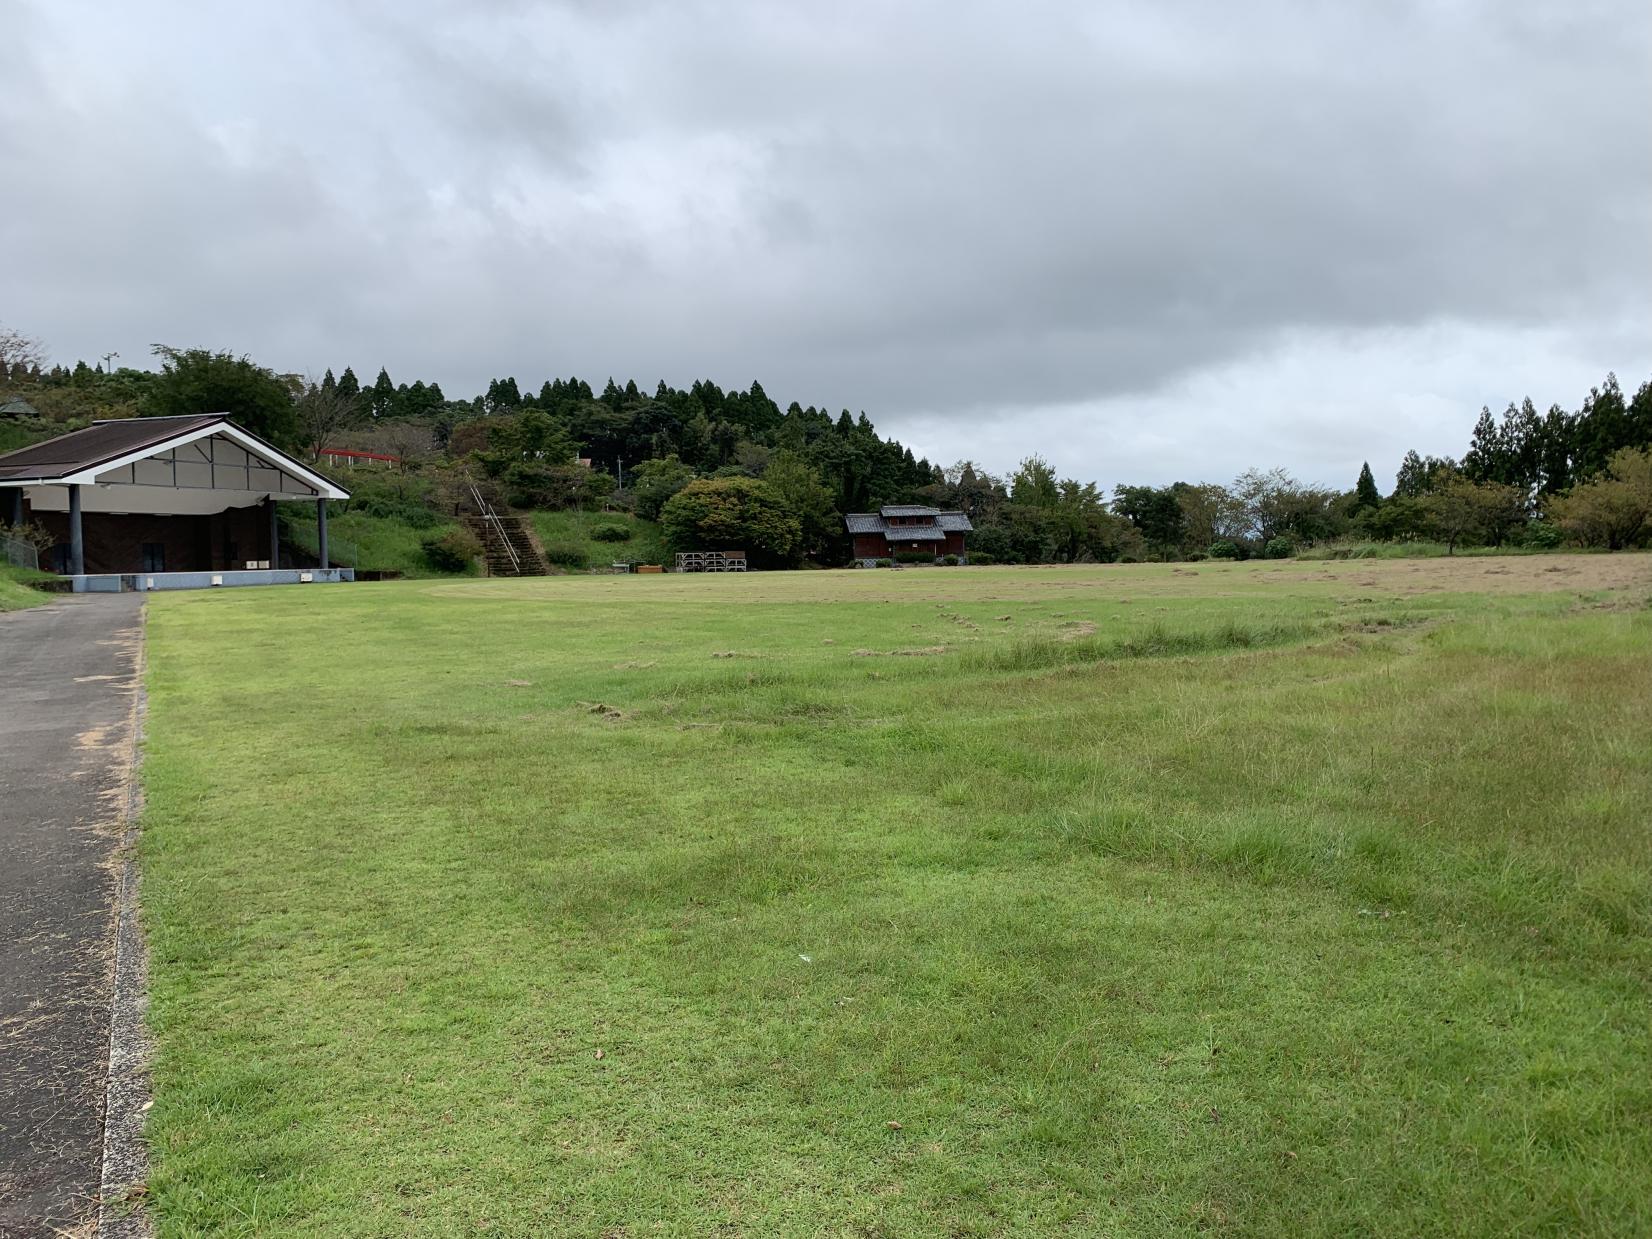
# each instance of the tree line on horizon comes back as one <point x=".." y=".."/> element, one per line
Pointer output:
<point x="782" y="479"/>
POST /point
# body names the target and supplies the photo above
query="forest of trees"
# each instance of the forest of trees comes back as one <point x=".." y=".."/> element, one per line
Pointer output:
<point x="1524" y="479"/>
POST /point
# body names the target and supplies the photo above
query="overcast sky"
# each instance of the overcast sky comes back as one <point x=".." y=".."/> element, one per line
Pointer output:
<point x="1150" y="240"/>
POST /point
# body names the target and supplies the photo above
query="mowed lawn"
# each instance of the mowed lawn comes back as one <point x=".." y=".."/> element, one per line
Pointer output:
<point x="1262" y="899"/>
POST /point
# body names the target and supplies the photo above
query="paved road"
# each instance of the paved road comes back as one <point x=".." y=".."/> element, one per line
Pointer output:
<point x="67" y="686"/>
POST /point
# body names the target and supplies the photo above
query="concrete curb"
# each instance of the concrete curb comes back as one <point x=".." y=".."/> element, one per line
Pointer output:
<point x="126" y="1096"/>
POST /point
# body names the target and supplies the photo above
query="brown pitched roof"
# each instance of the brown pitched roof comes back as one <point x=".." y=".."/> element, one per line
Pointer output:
<point x="97" y="444"/>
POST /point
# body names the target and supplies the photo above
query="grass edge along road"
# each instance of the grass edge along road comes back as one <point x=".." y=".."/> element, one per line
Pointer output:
<point x="1267" y="899"/>
<point x="17" y="588"/>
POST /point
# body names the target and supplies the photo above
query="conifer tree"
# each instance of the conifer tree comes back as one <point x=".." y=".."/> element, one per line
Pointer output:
<point x="381" y="401"/>
<point x="1483" y="462"/>
<point x="1365" y="490"/>
<point x="1603" y="426"/>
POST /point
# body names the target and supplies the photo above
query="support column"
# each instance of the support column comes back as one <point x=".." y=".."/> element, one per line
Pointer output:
<point x="14" y="513"/>
<point x="321" y="528"/>
<point x="275" y="535"/>
<point x="77" y="542"/>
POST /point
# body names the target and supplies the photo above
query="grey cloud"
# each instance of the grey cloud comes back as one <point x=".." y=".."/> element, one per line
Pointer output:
<point x="961" y="219"/>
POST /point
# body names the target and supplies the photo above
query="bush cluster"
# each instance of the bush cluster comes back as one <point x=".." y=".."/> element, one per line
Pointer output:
<point x="611" y="533"/>
<point x="565" y="554"/>
<point x="392" y="497"/>
<point x="1540" y="535"/>
<point x="533" y="484"/>
<point x="1223" y="550"/>
<point x="453" y="550"/>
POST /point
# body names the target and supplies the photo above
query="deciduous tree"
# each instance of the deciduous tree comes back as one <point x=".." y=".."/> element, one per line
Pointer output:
<point x="19" y="354"/>
<point x="323" y="411"/>
<point x="797" y="485"/>
<point x="654" y="482"/>
<point x="201" y="381"/>
<point x="1156" y="512"/>
<point x="1459" y="510"/>
<point x="740" y="513"/>
<point x="1614" y="509"/>
<point x="1034" y="485"/>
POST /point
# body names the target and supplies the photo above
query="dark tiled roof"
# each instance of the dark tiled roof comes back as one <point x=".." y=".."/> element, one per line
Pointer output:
<point x="874" y="522"/>
<point x="98" y="444"/>
<point x="915" y="533"/>
<point x="907" y="509"/>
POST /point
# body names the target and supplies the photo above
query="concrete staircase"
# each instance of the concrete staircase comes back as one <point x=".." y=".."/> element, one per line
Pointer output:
<point x="508" y="546"/>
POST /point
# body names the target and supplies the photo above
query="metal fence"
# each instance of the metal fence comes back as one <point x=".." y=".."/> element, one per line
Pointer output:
<point x="19" y="553"/>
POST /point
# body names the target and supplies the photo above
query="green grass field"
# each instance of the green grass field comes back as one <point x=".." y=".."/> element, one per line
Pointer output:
<point x="573" y="530"/>
<point x="1258" y="899"/>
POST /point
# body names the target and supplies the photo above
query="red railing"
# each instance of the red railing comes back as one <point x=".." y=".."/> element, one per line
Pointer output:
<point x="351" y="454"/>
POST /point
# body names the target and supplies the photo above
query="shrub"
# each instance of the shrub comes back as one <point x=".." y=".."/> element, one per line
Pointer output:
<point x="451" y="551"/>
<point x="413" y="514"/>
<point x="565" y="554"/>
<point x="555" y="488"/>
<point x="1279" y="548"/>
<point x="914" y="557"/>
<point x="35" y="535"/>
<point x="885" y="563"/>
<point x="1542" y="536"/>
<point x="983" y="559"/>
<point x="1223" y="550"/>
<point x="951" y="561"/>
<point x="611" y="533"/>
<point x="394" y="497"/>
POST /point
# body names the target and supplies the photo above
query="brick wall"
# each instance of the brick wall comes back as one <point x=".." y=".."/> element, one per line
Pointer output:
<point x="115" y="540"/>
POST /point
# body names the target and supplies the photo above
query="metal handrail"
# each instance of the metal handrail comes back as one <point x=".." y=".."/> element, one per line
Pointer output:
<point x="488" y="514"/>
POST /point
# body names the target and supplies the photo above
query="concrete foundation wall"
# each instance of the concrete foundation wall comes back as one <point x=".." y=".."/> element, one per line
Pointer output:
<point x="123" y="582"/>
<point x="873" y="562"/>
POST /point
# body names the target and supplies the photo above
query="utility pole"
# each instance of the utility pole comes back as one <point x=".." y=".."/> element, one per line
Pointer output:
<point x="109" y="362"/>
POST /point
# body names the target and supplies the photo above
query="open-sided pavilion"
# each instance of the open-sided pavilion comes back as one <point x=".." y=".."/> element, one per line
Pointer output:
<point x="165" y="503"/>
